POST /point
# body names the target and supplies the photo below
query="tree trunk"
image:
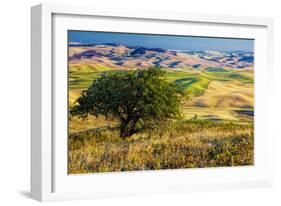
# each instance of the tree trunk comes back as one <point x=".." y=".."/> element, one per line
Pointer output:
<point x="125" y="133"/>
<point x="127" y="128"/>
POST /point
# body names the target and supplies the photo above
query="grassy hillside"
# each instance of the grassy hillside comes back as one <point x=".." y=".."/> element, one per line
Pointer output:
<point x="217" y="128"/>
<point x="187" y="144"/>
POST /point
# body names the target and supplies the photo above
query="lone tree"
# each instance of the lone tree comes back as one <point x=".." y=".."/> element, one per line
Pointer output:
<point x="135" y="98"/>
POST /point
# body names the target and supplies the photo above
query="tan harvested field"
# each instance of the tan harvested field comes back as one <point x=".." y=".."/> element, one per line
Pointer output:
<point x="220" y="100"/>
<point x="226" y="94"/>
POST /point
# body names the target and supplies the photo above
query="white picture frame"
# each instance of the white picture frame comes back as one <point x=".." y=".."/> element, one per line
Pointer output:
<point x="49" y="180"/>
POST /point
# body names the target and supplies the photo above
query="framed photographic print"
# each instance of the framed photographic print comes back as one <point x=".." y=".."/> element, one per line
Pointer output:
<point x="137" y="102"/>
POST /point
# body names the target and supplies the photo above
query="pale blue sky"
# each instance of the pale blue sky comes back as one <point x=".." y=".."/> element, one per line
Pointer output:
<point x="188" y="43"/>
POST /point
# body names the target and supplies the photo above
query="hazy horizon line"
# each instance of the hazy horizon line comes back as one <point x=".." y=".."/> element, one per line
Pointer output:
<point x="168" y="42"/>
<point x="186" y="50"/>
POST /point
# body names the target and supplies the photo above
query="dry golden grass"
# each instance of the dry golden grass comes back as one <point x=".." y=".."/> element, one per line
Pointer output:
<point x="187" y="144"/>
<point x="78" y="125"/>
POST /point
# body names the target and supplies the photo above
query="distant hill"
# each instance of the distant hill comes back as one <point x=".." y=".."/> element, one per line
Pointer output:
<point x="117" y="56"/>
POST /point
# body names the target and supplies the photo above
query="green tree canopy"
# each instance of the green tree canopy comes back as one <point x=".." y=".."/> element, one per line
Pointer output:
<point x="135" y="98"/>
